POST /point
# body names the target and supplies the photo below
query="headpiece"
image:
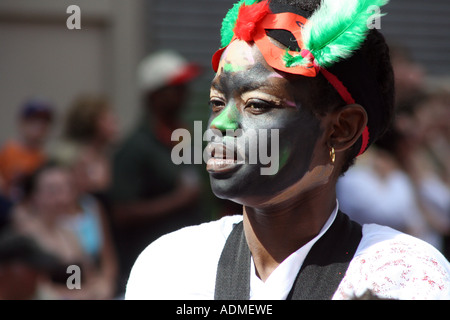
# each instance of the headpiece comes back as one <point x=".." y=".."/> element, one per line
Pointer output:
<point x="326" y="41"/>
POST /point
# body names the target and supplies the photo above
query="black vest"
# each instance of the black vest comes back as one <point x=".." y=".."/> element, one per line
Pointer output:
<point x="319" y="277"/>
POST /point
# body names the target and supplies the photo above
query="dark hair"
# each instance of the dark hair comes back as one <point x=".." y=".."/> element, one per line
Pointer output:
<point x="29" y="182"/>
<point x="306" y="5"/>
<point x="376" y="50"/>
<point x="82" y="118"/>
<point x="324" y="98"/>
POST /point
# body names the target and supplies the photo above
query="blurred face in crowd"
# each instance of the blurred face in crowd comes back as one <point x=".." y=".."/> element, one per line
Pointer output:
<point x="432" y="118"/>
<point x="107" y="126"/>
<point x="34" y="130"/>
<point x="409" y="78"/>
<point x="54" y="192"/>
<point x="428" y="122"/>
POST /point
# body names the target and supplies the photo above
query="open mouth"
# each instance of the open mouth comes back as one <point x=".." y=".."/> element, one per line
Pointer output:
<point x="223" y="159"/>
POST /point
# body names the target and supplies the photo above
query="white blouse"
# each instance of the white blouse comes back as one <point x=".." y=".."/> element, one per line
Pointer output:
<point x="182" y="265"/>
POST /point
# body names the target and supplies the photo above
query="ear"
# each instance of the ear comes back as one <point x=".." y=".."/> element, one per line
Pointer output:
<point x="347" y="125"/>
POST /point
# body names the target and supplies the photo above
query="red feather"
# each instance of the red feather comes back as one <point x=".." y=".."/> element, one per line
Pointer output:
<point x="248" y="17"/>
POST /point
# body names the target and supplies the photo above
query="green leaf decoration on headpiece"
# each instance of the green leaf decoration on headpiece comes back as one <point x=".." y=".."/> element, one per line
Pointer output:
<point x="334" y="31"/>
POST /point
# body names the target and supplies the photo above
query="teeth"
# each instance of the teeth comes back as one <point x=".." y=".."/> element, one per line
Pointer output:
<point x="225" y="161"/>
<point x="221" y="165"/>
<point x="222" y="153"/>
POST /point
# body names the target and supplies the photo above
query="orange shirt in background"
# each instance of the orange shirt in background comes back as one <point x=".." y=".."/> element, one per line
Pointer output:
<point x="17" y="161"/>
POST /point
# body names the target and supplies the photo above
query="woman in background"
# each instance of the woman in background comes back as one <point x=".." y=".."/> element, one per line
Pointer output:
<point x="43" y="213"/>
<point x="89" y="132"/>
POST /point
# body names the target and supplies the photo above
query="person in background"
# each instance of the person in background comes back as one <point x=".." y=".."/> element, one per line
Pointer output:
<point x="90" y="133"/>
<point x="432" y="130"/>
<point x="402" y="187"/>
<point x="89" y="136"/>
<point x="422" y="150"/>
<point x="42" y="215"/>
<point x="92" y="227"/>
<point x="25" y="268"/>
<point x="5" y="211"/>
<point x="21" y="156"/>
<point x="439" y="147"/>
<point x="71" y="226"/>
<point x="400" y="190"/>
<point x="150" y="194"/>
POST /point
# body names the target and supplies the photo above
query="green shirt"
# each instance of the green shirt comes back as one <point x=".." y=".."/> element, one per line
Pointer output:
<point x="142" y="168"/>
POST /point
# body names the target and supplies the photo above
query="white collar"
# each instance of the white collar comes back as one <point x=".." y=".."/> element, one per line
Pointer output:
<point x="279" y="283"/>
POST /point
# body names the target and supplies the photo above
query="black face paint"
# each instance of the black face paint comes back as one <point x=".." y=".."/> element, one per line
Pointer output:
<point x="298" y="130"/>
<point x="244" y="80"/>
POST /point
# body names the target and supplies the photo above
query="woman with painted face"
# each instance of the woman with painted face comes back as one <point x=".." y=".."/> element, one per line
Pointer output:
<point x="312" y="74"/>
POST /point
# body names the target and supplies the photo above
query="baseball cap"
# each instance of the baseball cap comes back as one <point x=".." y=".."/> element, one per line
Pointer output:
<point x="37" y="108"/>
<point x="165" y="67"/>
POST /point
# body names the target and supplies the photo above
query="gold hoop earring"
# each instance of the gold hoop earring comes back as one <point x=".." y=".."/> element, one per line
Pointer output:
<point x="332" y="155"/>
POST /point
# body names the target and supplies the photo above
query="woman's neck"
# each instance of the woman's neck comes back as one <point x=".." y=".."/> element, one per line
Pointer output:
<point x="274" y="233"/>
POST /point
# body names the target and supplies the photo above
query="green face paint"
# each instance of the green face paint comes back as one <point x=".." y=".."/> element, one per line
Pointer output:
<point x="227" y="119"/>
<point x="228" y="67"/>
<point x="284" y="156"/>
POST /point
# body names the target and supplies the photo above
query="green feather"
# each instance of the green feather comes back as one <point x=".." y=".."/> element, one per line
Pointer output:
<point x="335" y="30"/>
<point x="229" y="22"/>
<point x="294" y="60"/>
<point x="338" y="28"/>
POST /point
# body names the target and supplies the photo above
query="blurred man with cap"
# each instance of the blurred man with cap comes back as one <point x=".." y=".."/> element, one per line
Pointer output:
<point x="151" y="196"/>
<point x="20" y="157"/>
<point x="165" y="67"/>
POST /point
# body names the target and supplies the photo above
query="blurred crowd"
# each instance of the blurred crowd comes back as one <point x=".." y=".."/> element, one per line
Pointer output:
<point x="99" y="196"/>
<point x="403" y="181"/>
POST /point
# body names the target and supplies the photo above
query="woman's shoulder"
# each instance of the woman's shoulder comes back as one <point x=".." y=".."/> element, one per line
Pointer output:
<point x="398" y="266"/>
<point x="181" y="263"/>
<point x="378" y="238"/>
<point x="209" y="234"/>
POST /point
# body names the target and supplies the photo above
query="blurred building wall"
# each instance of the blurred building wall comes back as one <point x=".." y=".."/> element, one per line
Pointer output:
<point x="423" y="27"/>
<point x="40" y="56"/>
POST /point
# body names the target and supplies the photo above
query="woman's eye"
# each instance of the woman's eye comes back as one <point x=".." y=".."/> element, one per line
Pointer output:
<point x="216" y="105"/>
<point x="259" y="106"/>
